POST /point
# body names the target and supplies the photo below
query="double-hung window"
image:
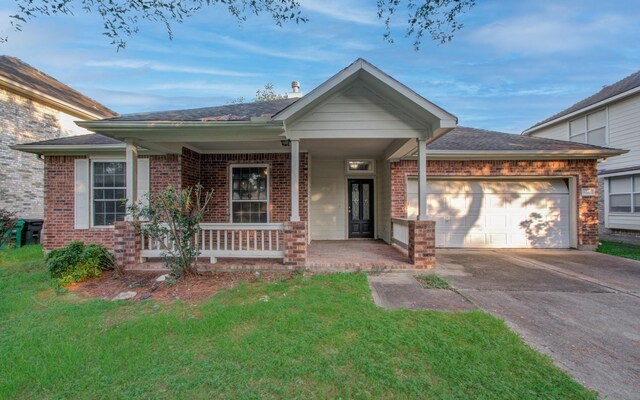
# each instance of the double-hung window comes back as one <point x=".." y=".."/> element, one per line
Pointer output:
<point x="590" y="129"/>
<point x="109" y="192"/>
<point x="249" y="194"/>
<point x="624" y="194"/>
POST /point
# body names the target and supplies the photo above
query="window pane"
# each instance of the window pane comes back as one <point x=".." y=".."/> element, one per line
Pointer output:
<point x="620" y="203"/>
<point x="109" y="191"/>
<point x="596" y="120"/>
<point x="620" y="185"/>
<point x="597" y="137"/>
<point x="249" y="192"/>
<point x="578" y="138"/>
<point x="636" y="203"/>
<point x="577" y="126"/>
<point x="359" y="165"/>
<point x="636" y="183"/>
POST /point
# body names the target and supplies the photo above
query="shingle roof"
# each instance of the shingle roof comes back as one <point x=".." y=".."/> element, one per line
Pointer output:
<point x="14" y="69"/>
<point x="630" y="82"/>
<point x="459" y="139"/>
<point x="229" y="112"/>
<point x="472" y="139"/>
<point x="80" y="140"/>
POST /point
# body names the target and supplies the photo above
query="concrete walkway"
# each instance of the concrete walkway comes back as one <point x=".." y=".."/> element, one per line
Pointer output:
<point x="401" y="290"/>
<point x="580" y="308"/>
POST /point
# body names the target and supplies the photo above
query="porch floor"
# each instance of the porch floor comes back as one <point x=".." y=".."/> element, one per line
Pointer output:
<point x="350" y="255"/>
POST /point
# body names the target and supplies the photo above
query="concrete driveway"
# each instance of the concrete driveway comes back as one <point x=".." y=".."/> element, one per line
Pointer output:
<point x="580" y="308"/>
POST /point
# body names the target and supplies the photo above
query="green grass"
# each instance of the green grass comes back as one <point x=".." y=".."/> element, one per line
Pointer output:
<point x="311" y="337"/>
<point x="620" y="249"/>
<point x="22" y="254"/>
<point x="433" y="281"/>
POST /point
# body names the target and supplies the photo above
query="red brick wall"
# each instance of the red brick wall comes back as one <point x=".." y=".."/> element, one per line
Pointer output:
<point x="59" y="180"/>
<point x="215" y="173"/>
<point x="584" y="170"/>
<point x="190" y="167"/>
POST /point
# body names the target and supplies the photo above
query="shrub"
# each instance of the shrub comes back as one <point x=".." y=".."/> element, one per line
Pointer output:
<point x="172" y="218"/>
<point x="7" y="222"/>
<point x="77" y="262"/>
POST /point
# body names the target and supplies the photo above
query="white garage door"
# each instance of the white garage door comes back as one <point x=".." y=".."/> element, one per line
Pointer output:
<point x="496" y="214"/>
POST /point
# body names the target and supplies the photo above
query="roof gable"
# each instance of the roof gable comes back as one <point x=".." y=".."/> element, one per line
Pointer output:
<point x="628" y="84"/>
<point x="356" y="111"/>
<point x="414" y="104"/>
<point x="20" y="76"/>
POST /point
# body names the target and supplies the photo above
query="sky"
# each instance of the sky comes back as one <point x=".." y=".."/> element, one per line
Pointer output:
<point x="513" y="64"/>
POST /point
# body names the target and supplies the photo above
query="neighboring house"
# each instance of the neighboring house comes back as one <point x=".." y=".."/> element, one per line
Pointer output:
<point x="34" y="106"/>
<point x="609" y="118"/>
<point x="360" y="156"/>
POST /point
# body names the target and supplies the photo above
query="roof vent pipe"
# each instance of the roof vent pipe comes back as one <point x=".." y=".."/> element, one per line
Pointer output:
<point x="295" y="86"/>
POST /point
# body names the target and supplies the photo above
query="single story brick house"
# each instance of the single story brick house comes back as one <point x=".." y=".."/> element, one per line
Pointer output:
<point x="359" y="157"/>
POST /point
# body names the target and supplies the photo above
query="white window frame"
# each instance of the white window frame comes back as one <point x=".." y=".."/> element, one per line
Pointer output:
<point x="231" y="200"/>
<point x="91" y="186"/>
<point x="632" y="192"/>
<point x="586" y="121"/>
<point x="371" y="162"/>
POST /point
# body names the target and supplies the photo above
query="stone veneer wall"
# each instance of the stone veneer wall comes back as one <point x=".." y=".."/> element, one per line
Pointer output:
<point x="21" y="174"/>
<point x="584" y="170"/>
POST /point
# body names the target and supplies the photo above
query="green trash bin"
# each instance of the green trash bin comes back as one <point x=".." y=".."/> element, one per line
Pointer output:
<point x="17" y="235"/>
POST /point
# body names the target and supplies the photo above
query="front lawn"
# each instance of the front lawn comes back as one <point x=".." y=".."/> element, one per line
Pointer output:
<point x="310" y="337"/>
<point x="620" y="249"/>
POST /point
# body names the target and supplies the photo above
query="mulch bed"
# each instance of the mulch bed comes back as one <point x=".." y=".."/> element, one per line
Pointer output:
<point x="187" y="289"/>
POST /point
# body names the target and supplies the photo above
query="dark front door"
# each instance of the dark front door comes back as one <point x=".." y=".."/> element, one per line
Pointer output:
<point x="360" y="208"/>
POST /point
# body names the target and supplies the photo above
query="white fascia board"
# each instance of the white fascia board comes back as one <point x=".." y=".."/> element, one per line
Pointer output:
<point x="599" y="104"/>
<point x="191" y="131"/>
<point x="79" y="149"/>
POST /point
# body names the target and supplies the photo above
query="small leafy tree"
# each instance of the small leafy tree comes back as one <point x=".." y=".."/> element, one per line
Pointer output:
<point x="172" y="218"/>
<point x="268" y="94"/>
<point x="7" y="222"/>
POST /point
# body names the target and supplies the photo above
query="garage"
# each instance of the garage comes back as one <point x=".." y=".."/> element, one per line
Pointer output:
<point x="497" y="213"/>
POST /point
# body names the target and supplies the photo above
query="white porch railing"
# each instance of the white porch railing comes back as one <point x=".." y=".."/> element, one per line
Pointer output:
<point x="400" y="232"/>
<point x="229" y="240"/>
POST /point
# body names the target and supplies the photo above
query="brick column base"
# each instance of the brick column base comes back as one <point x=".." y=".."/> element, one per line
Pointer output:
<point x="295" y="244"/>
<point x="422" y="244"/>
<point x="127" y="245"/>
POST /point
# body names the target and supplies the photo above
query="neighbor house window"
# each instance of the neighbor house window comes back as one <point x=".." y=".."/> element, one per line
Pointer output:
<point x="249" y="194"/>
<point x="109" y="192"/>
<point x="624" y="194"/>
<point x="590" y="129"/>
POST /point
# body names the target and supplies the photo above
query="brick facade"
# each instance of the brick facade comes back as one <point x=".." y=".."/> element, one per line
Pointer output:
<point x="215" y="172"/>
<point x="59" y="199"/>
<point x="585" y="172"/>
<point x="126" y="245"/>
<point x="295" y="244"/>
<point x="23" y="120"/>
<point x="422" y="244"/>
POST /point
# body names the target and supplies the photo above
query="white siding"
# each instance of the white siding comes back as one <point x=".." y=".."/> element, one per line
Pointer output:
<point x="357" y="110"/>
<point x="626" y="221"/>
<point x="558" y="131"/>
<point x="624" y="133"/>
<point x="328" y="200"/>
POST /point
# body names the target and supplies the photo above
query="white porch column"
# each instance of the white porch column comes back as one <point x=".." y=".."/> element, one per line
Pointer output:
<point x="132" y="173"/>
<point x="295" y="180"/>
<point x="422" y="179"/>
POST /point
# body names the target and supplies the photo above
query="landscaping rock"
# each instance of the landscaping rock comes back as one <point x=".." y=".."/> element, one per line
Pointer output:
<point x="145" y="296"/>
<point x="154" y="286"/>
<point x="162" y="278"/>
<point x="124" y="296"/>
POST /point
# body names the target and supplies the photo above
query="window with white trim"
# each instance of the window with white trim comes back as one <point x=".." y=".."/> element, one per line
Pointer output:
<point x="249" y="194"/>
<point x="624" y="194"/>
<point x="109" y="192"/>
<point x="590" y="129"/>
